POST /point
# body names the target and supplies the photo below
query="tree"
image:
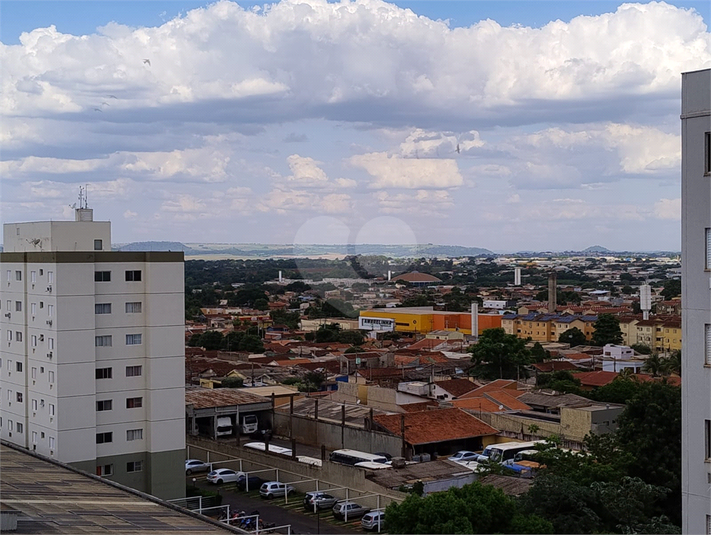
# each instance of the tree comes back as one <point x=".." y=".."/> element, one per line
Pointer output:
<point x="232" y="382"/>
<point x="290" y="319"/>
<point x="211" y="340"/>
<point x="312" y="382"/>
<point x="644" y="349"/>
<point x="327" y="333"/>
<point x="674" y="362"/>
<point x="351" y="337"/>
<point x="195" y="340"/>
<point x="672" y="288"/>
<point x="261" y="304"/>
<point x="655" y="365"/>
<point x="574" y="337"/>
<point x="650" y="430"/>
<point x="621" y="390"/>
<point x="628" y="502"/>
<point x="473" y="508"/>
<point x="498" y="355"/>
<point x="251" y="343"/>
<point x="538" y="354"/>
<point x="607" y="330"/>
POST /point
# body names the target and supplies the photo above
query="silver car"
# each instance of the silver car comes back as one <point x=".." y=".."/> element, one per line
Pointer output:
<point x="274" y="489"/>
<point x="373" y="520"/>
<point x="196" y="465"/>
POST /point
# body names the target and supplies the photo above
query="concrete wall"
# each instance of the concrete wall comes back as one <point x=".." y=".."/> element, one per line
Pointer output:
<point x="334" y="436"/>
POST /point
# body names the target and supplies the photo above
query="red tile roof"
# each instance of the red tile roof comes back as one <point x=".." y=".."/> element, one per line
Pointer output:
<point x="554" y="366"/>
<point x="432" y="426"/>
<point x="480" y="404"/>
<point x="507" y="400"/>
<point x="457" y="387"/>
<point x="598" y="378"/>
<point x="499" y="384"/>
<point x="417" y="407"/>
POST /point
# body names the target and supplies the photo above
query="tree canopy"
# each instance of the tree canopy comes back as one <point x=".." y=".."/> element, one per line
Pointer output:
<point x="573" y="336"/>
<point x="498" y="355"/>
<point x="607" y="330"/>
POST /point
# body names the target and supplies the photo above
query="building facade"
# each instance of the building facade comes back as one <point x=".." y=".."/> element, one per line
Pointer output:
<point x="92" y="353"/>
<point x="696" y="301"/>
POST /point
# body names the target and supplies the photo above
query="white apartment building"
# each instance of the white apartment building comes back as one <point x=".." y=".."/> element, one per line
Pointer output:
<point x="696" y="301"/>
<point x="92" y="353"/>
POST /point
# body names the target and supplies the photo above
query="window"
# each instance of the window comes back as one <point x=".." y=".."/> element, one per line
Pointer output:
<point x="98" y="245"/>
<point x="34" y="340"/>
<point x="50" y="310"/>
<point x="34" y="373"/>
<point x="9" y="336"/>
<point x="102" y="276"/>
<point x="50" y="277"/>
<point x="707" y="153"/>
<point x="9" y="305"/>
<point x="133" y="339"/>
<point x="103" y="373"/>
<point x="102" y="341"/>
<point x="707" y="439"/>
<point x="18" y="366"/>
<point x="134" y="434"/>
<point x="41" y="272"/>
<point x="103" y="438"/>
<point x="9" y="364"/>
<point x="34" y="405"/>
<point x="133" y="308"/>
<point x="18" y="396"/>
<point x="18" y="306"/>
<point x="707" y="345"/>
<point x="18" y="337"/>
<point x="134" y="403"/>
<point x="104" y="405"/>
<point x="105" y="470"/>
<point x="50" y="377"/>
<point x="9" y="275"/>
<point x="50" y="343"/>
<point x="41" y="304"/>
<point x="134" y="371"/>
<point x="19" y="427"/>
<point x="51" y="409"/>
<point x="133" y="275"/>
<point x="34" y="437"/>
<point x="134" y="466"/>
<point x="18" y="275"/>
<point x="33" y="276"/>
<point x="51" y="443"/>
<point x="102" y="308"/>
<point x="9" y="395"/>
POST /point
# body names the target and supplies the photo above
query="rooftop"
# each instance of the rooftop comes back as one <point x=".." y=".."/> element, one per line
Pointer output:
<point x="432" y="426"/>
<point x="205" y="398"/>
<point x="52" y="498"/>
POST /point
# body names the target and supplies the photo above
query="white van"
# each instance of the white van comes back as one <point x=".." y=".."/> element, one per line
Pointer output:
<point x="250" y="424"/>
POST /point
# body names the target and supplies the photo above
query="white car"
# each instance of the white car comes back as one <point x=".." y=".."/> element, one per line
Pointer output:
<point x="224" y="475"/>
<point x="196" y="465"/>
<point x="463" y="456"/>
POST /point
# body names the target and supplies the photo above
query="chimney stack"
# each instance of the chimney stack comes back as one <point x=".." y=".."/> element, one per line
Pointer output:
<point x="552" y="295"/>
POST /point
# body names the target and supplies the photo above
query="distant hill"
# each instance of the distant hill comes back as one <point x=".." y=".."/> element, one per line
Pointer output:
<point x="596" y="249"/>
<point x="301" y="250"/>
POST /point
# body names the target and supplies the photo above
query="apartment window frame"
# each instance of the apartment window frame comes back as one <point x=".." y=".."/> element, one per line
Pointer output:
<point x="18" y="336"/>
<point x="707" y="153"/>
<point x="34" y="405"/>
<point x="134" y="403"/>
<point x="51" y="409"/>
<point x="102" y="308"/>
<point x="98" y="245"/>
<point x="33" y="277"/>
<point x="52" y="442"/>
<point x="134" y="275"/>
<point x="707" y="440"/>
<point x="19" y="427"/>
<point x="18" y="366"/>
<point x="106" y="437"/>
<point x="102" y="276"/>
<point x="105" y="470"/>
<point x="18" y="275"/>
<point x="134" y="466"/>
<point x="134" y="371"/>
<point x="707" y="344"/>
<point x="50" y="277"/>
<point x="18" y="397"/>
<point x="18" y="306"/>
<point x="134" y="434"/>
<point x="50" y="377"/>
<point x="104" y="373"/>
<point x="103" y="405"/>
<point x="33" y="309"/>
<point x="50" y="310"/>
<point x="134" y="339"/>
<point x="104" y="340"/>
<point x="134" y="307"/>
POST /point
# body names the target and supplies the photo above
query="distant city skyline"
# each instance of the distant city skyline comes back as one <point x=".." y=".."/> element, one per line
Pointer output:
<point x="536" y="126"/>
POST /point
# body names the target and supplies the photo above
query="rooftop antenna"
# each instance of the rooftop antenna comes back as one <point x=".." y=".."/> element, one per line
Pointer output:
<point x="83" y="213"/>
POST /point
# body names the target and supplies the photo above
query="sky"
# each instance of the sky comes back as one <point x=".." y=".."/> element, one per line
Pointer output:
<point x="508" y="125"/>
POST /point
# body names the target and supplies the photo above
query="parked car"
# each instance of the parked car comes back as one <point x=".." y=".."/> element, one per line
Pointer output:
<point x="372" y="520"/>
<point x="274" y="489"/>
<point x="353" y="509"/>
<point x="253" y="481"/>
<point x="223" y="475"/>
<point x="320" y="499"/>
<point x="462" y="456"/>
<point x="196" y="465"/>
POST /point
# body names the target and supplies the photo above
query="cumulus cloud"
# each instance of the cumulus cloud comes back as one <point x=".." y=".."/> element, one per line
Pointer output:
<point x="668" y="209"/>
<point x="425" y="202"/>
<point x="389" y="171"/>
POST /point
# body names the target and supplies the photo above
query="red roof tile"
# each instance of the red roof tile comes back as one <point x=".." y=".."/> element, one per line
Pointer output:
<point x="554" y="366"/>
<point x="457" y="387"/>
<point x="499" y="384"/>
<point x="435" y="425"/>
<point x="598" y="378"/>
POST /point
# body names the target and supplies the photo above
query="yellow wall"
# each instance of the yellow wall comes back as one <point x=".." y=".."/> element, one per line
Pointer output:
<point x="404" y="322"/>
<point x="672" y="338"/>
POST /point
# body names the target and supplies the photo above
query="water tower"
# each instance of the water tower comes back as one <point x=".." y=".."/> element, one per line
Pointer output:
<point x="645" y="300"/>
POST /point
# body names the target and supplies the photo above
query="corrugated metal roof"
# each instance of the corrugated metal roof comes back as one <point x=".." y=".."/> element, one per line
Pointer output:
<point x="221" y="397"/>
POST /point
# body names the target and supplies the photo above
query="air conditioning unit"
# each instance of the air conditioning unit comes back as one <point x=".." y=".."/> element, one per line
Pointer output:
<point x="7" y="315"/>
<point x="49" y="322"/>
<point x="41" y="403"/>
<point x="41" y="338"/>
<point x="49" y="355"/>
<point x="49" y="289"/>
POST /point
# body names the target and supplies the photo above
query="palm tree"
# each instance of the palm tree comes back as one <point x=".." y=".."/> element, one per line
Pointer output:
<point x="655" y="365"/>
<point x="673" y="363"/>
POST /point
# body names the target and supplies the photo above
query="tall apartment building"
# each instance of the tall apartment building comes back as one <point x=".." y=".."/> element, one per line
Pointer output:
<point x="696" y="300"/>
<point x="92" y="353"/>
